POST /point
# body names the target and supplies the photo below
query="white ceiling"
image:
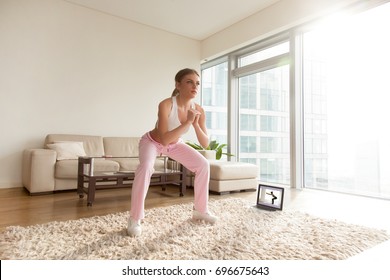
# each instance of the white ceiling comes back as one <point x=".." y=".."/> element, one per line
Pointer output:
<point x="196" y="19"/>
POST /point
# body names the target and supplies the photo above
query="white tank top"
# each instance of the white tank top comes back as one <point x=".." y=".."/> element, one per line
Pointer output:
<point x="173" y="118"/>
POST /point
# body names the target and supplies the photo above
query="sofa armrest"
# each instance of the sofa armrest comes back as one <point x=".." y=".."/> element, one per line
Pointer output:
<point x="38" y="170"/>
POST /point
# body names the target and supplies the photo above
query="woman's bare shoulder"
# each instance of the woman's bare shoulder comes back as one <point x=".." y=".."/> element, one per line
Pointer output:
<point x="165" y="104"/>
<point x="166" y="101"/>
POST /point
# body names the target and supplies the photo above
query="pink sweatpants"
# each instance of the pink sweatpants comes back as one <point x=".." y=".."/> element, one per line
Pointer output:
<point x="181" y="152"/>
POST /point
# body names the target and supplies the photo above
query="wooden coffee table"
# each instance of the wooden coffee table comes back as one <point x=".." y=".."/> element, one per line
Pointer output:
<point x="88" y="180"/>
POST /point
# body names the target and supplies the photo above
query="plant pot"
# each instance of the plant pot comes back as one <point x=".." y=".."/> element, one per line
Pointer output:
<point x="209" y="154"/>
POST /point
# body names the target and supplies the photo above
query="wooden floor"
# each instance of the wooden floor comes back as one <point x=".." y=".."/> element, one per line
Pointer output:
<point x="17" y="207"/>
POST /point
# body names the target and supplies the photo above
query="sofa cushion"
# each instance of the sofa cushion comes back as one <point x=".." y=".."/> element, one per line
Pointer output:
<point x="67" y="169"/>
<point x="68" y="150"/>
<point x="131" y="164"/>
<point x="121" y="146"/>
<point x="127" y="164"/>
<point x="126" y="147"/>
<point x="93" y="145"/>
<point x="228" y="170"/>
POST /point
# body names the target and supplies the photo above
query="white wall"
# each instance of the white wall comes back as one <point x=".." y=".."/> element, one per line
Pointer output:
<point x="69" y="69"/>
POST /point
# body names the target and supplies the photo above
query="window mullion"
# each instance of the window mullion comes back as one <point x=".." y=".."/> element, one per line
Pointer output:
<point x="262" y="65"/>
<point x="296" y="113"/>
<point x="233" y="115"/>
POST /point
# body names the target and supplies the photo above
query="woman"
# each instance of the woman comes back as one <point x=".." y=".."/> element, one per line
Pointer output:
<point x="175" y="116"/>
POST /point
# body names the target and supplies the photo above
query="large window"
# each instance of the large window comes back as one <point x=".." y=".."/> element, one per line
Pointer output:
<point x="309" y="106"/>
<point x="346" y="88"/>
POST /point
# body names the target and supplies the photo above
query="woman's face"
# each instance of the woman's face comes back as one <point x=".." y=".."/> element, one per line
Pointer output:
<point x="189" y="85"/>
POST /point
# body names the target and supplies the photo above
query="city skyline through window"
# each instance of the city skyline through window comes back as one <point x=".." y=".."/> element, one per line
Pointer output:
<point x="264" y="137"/>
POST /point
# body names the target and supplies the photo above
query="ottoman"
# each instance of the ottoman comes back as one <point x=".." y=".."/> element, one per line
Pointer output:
<point x="228" y="176"/>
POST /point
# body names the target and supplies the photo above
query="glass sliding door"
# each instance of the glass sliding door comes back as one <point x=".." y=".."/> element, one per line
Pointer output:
<point x="346" y="91"/>
<point x="264" y="137"/>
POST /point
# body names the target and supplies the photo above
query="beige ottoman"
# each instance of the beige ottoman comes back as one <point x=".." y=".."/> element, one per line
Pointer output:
<point x="227" y="176"/>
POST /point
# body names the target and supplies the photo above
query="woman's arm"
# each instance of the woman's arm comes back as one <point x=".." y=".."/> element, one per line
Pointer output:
<point x="200" y="127"/>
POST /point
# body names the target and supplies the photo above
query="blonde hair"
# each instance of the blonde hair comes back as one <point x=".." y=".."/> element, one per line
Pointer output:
<point x="180" y="75"/>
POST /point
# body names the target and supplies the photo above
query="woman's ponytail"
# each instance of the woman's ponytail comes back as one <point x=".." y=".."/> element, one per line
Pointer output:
<point x="175" y="92"/>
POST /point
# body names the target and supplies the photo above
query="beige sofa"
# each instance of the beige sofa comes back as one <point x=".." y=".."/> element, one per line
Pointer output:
<point x="54" y="166"/>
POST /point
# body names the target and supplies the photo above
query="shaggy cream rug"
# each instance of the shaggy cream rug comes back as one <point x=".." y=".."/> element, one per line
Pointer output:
<point x="243" y="232"/>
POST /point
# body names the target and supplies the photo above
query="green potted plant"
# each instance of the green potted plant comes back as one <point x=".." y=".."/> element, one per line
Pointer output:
<point x="214" y="146"/>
